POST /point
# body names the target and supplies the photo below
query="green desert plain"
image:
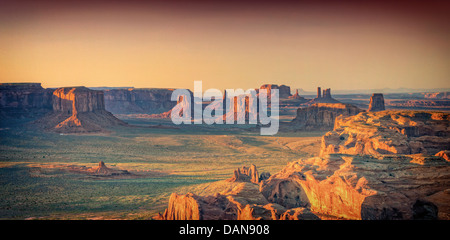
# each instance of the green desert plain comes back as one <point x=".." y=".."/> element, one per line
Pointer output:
<point x="186" y="158"/>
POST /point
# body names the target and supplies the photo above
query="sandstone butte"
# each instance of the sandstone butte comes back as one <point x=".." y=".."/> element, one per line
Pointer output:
<point x="343" y="185"/>
<point x="376" y="103"/>
<point x="78" y="110"/>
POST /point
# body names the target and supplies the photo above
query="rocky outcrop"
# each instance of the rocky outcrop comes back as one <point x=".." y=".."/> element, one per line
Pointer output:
<point x="437" y="95"/>
<point x="78" y="110"/>
<point x="376" y="103"/>
<point x="389" y="132"/>
<point x="23" y="101"/>
<point x="296" y="96"/>
<point x="283" y="90"/>
<point x="321" y="116"/>
<point x="246" y="174"/>
<point x="77" y="100"/>
<point x="363" y="187"/>
<point x="138" y="100"/>
<point x="239" y="200"/>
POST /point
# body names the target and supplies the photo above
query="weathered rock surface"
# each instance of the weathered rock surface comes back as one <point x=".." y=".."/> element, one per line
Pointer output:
<point x="283" y="90"/>
<point x="376" y="103"/>
<point x="321" y="116"/>
<point x="296" y="96"/>
<point x="78" y="110"/>
<point x="323" y="97"/>
<point x="23" y="101"/>
<point x="246" y="174"/>
<point x="238" y="200"/>
<point x="138" y="100"/>
<point x="389" y="132"/>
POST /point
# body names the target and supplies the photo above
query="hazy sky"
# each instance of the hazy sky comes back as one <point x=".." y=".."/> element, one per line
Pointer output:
<point x="170" y="44"/>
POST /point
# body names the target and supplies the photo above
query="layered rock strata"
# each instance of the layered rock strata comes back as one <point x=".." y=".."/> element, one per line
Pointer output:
<point x="321" y="116"/>
<point x="78" y="110"/>
<point x="23" y="101"/>
<point x="389" y="132"/>
<point x="376" y="103"/>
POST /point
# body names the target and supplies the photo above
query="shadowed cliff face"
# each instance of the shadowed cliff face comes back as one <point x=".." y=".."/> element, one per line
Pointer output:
<point x="389" y="132"/>
<point x="138" y="101"/>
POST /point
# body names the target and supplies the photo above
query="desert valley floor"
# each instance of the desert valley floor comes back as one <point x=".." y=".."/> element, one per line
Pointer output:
<point x="37" y="182"/>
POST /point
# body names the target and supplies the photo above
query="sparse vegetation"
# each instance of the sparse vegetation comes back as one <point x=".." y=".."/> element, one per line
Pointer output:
<point x="189" y="156"/>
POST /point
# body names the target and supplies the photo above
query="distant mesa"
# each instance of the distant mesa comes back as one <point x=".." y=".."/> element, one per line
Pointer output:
<point x="376" y="103"/>
<point x="78" y="110"/>
<point x="389" y="132"/>
<point x="296" y="96"/>
<point x="387" y="165"/>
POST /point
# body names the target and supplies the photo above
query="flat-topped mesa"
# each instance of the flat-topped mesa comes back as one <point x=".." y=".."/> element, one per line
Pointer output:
<point x="78" y="110"/>
<point x="23" y="101"/>
<point x="296" y="95"/>
<point x="323" y="97"/>
<point x="77" y="100"/>
<point x="389" y="132"/>
<point x="376" y="103"/>
<point x="321" y="116"/>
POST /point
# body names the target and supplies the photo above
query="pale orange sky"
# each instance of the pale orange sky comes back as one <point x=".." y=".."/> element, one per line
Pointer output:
<point x="170" y="47"/>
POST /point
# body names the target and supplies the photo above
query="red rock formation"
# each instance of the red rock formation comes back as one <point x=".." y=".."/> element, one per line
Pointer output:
<point x="246" y="175"/>
<point x="324" y="98"/>
<point x="235" y="205"/>
<point x="138" y="100"/>
<point x="78" y="110"/>
<point x="23" y="101"/>
<point x="296" y="96"/>
<point x="376" y="103"/>
<point x="363" y="187"/>
<point x="283" y="90"/>
<point x="389" y="132"/>
<point x="321" y="116"/>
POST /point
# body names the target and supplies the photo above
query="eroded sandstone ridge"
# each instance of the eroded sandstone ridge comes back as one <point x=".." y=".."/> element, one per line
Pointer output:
<point x="389" y="132"/>
<point x="283" y="90"/>
<point x="78" y="110"/>
<point x="376" y="103"/>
